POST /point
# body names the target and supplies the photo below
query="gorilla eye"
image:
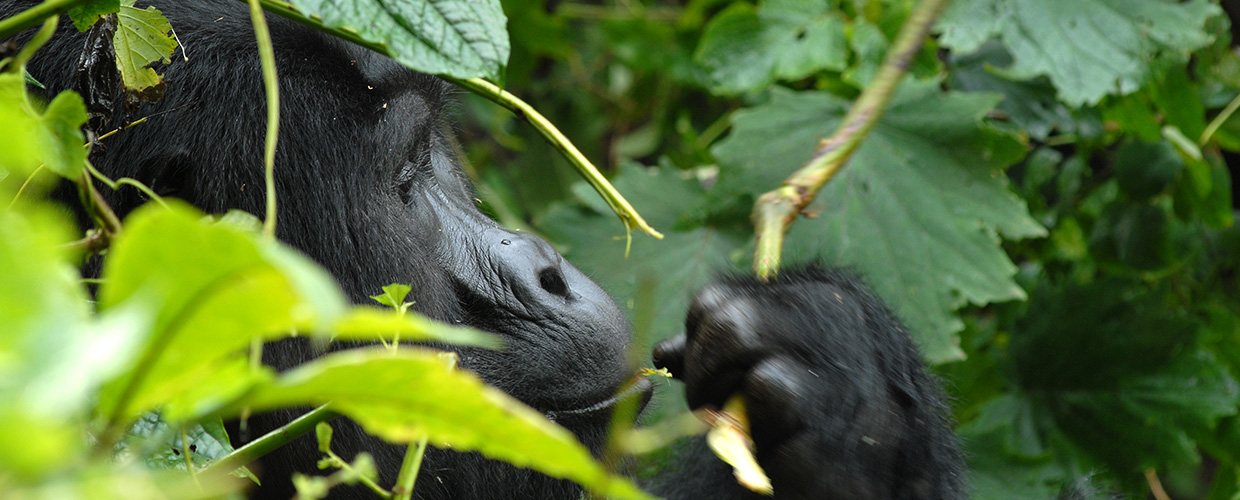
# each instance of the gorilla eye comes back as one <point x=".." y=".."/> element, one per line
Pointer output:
<point x="404" y="182"/>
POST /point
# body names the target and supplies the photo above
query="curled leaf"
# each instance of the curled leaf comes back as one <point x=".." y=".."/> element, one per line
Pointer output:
<point x="729" y="439"/>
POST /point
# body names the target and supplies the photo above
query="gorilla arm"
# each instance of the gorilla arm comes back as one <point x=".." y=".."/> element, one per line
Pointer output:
<point x="839" y="403"/>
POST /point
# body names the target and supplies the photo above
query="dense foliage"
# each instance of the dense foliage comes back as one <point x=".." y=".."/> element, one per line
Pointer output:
<point x="1047" y="203"/>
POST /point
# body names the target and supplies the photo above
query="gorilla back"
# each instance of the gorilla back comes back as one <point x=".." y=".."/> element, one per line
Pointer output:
<point x="369" y="187"/>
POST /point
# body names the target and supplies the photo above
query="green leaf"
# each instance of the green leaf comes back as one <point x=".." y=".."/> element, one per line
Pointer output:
<point x="53" y="355"/>
<point x="393" y="295"/>
<point x="1118" y="367"/>
<point x="1088" y="48"/>
<point x="918" y="209"/>
<point x="367" y="323"/>
<point x="160" y="447"/>
<point x="215" y="287"/>
<point x="406" y="394"/>
<point x="84" y="16"/>
<point x="143" y="37"/>
<point x="745" y="49"/>
<point x="1145" y="169"/>
<point x="49" y="136"/>
<point x="459" y="38"/>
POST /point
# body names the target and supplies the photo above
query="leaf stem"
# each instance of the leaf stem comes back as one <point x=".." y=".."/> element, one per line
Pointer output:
<point x="32" y="16"/>
<point x="776" y="210"/>
<point x="409" y="470"/>
<point x="412" y="463"/>
<point x="268" y="442"/>
<point x="623" y="209"/>
<point x="1219" y="120"/>
<point x="271" y="83"/>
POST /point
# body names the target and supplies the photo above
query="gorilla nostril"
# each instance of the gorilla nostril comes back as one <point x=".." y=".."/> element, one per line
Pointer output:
<point x="552" y="280"/>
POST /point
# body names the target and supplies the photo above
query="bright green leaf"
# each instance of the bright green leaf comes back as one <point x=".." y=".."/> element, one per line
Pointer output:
<point x="407" y="394"/>
<point x="368" y="323"/>
<point x="53" y="355"/>
<point x="37" y="135"/>
<point x="215" y="287"/>
<point x="393" y="295"/>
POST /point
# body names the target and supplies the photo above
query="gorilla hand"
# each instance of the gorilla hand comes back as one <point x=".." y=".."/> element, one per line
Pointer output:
<point x="838" y="401"/>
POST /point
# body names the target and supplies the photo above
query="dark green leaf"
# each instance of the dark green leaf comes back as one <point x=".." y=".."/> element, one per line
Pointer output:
<point x="460" y="38"/>
<point x="1088" y="48"/>
<point x="918" y="209"/>
<point x="85" y="15"/>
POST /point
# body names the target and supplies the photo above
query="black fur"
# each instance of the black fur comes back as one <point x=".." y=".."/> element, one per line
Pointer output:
<point x="368" y="187"/>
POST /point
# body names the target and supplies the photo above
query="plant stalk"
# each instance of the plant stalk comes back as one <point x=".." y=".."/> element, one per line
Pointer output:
<point x="776" y="210"/>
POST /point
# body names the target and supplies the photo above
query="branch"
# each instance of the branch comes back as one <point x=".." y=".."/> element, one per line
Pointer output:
<point x="623" y="209"/>
<point x="776" y="210"/>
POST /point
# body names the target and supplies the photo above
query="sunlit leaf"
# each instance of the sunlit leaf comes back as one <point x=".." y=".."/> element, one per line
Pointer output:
<point x="407" y="394"/>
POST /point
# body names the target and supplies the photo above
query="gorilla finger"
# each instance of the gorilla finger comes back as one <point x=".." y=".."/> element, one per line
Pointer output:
<point x="776" y="391"/>
<point x="670" y="354"/>
<point x="719" y="352"/>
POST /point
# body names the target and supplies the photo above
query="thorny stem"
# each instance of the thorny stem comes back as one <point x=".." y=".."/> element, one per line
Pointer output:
<point x="776" y="210"/>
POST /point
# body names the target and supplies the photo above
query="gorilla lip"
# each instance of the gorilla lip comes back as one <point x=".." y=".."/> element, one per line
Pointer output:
<point x="638" y="387"/>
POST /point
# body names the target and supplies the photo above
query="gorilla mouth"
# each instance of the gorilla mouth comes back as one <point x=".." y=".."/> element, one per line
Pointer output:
<point x="639" y="387"/>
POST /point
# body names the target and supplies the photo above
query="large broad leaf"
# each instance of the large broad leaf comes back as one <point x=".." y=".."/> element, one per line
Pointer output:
<point x="215" y="287"/>
<point x="917" y="210"/>
<point x="408" y="394"/>
<point x="1119" y="368"/>
<point x="460" y="38"/>
<point x="1088" y="48"/>
<point x="746" y="49"/>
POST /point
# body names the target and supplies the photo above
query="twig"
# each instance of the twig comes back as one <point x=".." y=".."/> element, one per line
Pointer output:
<point x="268" y="442"/>
<point x="1156" y="487"/>
<point x="776" y="210"/>
<point x="267" y="54"/>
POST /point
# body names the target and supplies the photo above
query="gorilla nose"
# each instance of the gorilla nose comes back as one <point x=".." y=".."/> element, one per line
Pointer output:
<point x="532" y="268"/>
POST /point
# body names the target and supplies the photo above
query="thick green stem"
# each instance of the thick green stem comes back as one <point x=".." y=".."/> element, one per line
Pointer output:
<point x="30" y="17"/>
<point x="271" y="83"/>
<point x="776" y="210"/>
<point x="269" y="442"/>
<point x="520" y="108"/>
<point x="409" y="470"/>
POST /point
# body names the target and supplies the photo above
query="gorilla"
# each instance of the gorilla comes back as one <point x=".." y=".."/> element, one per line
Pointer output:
<point x="369" y="187"/>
